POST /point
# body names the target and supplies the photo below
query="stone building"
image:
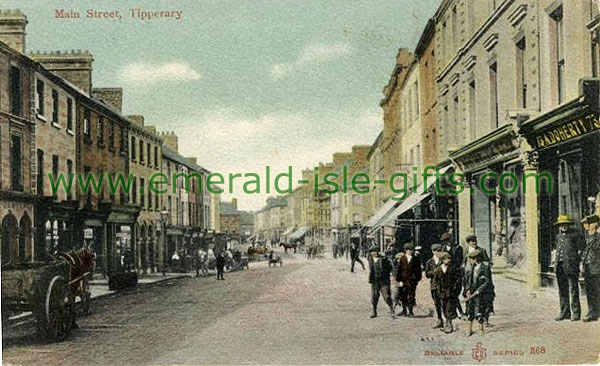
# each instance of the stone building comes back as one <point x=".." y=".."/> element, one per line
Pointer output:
<point x="231" y="219"/>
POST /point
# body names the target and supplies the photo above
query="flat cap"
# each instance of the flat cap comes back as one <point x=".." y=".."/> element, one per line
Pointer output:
<point x="409" y="246"/>
<point x="374" y="248"/>
<point x="446" y="236"/>
<point x="471" y="238"/>
<point x="436" y="247"/>
<point x="591" y="219"/>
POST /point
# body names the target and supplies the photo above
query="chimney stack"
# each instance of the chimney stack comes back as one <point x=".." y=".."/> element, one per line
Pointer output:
<point x="110" y="96"/>
<point x="170" y="139"/>
<point x="12" y="29"/>
<point x="137" y="119"/>
<point x="74" y="66"/>
<point x="234" y="203"/>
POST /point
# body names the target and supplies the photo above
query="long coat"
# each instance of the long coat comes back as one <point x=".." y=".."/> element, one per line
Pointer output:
<point x="447" y="283"/>
<point x="430" y="267"/>
<point x="479" y="278"/>
<point x="409" y="273"/>
<point x="456" y="253"/>
<point x="380" y="272"/>
<point x="567" y="249"/>
<point x="591" y="255"/>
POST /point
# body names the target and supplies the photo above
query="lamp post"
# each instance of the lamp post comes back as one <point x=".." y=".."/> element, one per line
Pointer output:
<point x="164" y="216"/>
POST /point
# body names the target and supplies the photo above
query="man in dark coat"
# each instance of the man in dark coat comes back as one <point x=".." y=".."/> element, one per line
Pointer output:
<point x="591" y="268"/>
<point x="477" y="290"/>
<point x="220" y="264"/>
<point x="430" y="266"/>
<point x="379" y="278"/>
<point x="450" y="246"/>
<point x="473" y="246"/>
<point x="447" y="279"/>
<point x="566" y="267"/>
<point x="355" y="254"/>
<point x="408" y="275"/>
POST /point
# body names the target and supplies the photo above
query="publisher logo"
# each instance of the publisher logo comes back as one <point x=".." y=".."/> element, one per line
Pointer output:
<point x="478" y="352"/>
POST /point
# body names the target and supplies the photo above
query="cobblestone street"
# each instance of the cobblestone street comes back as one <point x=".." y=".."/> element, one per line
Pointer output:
<point x="308" y="312"/>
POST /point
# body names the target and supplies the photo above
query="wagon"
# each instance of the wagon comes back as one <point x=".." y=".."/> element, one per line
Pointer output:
<point x="43" y="289"/>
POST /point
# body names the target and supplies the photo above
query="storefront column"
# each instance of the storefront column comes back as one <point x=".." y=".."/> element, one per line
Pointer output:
<point x="464" y="212"/>
<point x="499" y="260"/>
<point x="532" y="220"/>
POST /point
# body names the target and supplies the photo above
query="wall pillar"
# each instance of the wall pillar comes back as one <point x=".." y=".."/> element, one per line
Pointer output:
<point x="532" y="220"/>
<point x="464" y="212"/>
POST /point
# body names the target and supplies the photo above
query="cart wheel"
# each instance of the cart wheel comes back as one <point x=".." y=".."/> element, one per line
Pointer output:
<point x="59" y="309"/>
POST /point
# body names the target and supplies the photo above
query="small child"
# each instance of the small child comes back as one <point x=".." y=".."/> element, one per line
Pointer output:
<point x="447" y="280"/>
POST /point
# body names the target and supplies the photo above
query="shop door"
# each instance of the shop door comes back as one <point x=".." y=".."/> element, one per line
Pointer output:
<point x="483" y="214"/>
<point x="569" y="188"/>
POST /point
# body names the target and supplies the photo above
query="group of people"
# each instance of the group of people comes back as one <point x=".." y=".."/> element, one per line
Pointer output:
<point x="575" y="254"/>
<point x="451" y="273"/>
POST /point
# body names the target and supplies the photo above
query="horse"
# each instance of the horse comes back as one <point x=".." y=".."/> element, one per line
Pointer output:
<point x="81" y="264"/>
<point x="274" y="260"/>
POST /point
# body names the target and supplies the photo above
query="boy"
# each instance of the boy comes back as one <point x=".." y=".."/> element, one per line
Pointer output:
<point x="447" y="279"/>
<point x="477" y="290"/>
<point x="430" y="266"/>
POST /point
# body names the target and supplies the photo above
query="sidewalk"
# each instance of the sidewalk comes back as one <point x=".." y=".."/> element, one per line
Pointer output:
<point x="99" y="286"/>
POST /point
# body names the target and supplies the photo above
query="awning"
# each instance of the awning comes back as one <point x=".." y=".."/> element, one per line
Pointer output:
<point x="288" y="231"/>
<point x="383" y="210"/>
<point x="300" y="232"/>
<point x="412" y="200"/>
<point x="120" y="218"/>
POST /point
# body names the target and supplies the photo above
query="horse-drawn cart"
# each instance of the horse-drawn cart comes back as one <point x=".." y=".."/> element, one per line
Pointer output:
<point x="47" y="290"/>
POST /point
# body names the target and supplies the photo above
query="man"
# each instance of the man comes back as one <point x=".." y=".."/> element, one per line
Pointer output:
<point x="477" y="289"/>
<point x="591" y="268"/>
<point x="355" y="254"/>
<point x="408" y="275"/>
<point x="379" y="278"/>
<point x="399" y="293"/>
<point x="447" y="279"/>
<point x="220" y="264"/>
<point x="472" y="246"/>
<point x="566" y="267"/>
<point x="430" y="266"/>
<point x="457" y="257"/>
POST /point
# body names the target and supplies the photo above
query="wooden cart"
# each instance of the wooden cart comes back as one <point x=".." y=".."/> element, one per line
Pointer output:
<point x="42" y="288"/>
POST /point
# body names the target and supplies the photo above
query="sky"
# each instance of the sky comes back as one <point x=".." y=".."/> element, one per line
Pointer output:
<point x="245" y="84"/>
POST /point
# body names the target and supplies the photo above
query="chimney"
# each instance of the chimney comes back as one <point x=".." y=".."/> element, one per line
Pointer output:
<point x="360" y="153"/>
<point x="110" y="96"/>
<point x="234" y="203"/>
<point x="170" y="139"/>
<point x="12" y="29"/>
<point x="151" y="129"/>
<point x="74" y="66"/>
<point x="339" y="159"/>
<point x="137" y="119"/>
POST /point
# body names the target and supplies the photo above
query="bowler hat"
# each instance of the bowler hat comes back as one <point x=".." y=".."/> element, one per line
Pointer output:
<point x="436" y="247"/>
<point x="446" y="236"/>
<point x="471" y="238"/>
<point x="474" y="254"/>
<point x="409" y="246"/>
<point x="591" y="219"/>
<point x="563" y="219"/>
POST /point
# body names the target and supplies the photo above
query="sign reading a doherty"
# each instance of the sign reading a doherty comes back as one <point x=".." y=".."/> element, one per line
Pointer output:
<point x="568" y="130"/>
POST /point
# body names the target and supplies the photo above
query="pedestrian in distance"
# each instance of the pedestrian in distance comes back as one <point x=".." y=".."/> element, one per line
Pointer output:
<point x="477" y="290"/>
<point x="447" y="279"/>
<point x="430" y="266"/>
<point x="399" y="290"/>
<point x="408" y="275"/>
<point x="355" y="254"/>
<point x="566" y="267"/>
<point x="591" y="268"/>
<point x="380" y="270"/>
<point x="220" y="264"/>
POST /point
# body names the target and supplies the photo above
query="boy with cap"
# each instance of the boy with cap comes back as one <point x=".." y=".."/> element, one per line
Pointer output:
<point x="477" y="290"/>
<point x="379" y="278"/>
<point x="450" y="246"/>
<point x="408" y="275"/>
<point x="399" y="290"/>
<point x="566" y="268"/>
<point x="591" y="268"/>
<point x="430" y="266"/>
<point x="447" y="279"/>
<point x="473" y="246"/>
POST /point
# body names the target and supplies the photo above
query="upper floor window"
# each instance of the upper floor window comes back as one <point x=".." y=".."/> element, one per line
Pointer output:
<point x="559" y="51"/>
<point x="16" y="91"/>
<point x="156" y="157"/>
<point x="54" y="106"/>
<point x="133" y="148"/>
<point x="149" y="155"/>
<point x="69" y="114"/>
<point x="100" y="129"/>
<point x="141" y="152"/>
<point x="520" y="76"/>
<point x="111" y="134"/>
<point x="87" y="123"/>
<point x="40" y="102"/>
<point x="16" y="163"/>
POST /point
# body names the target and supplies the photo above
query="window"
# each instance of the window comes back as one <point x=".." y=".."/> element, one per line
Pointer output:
<point x="86" y="172"/>
<point x="54" y="106"/>
<point x="111" y="135"/>
<point x="156" y="157"/>
<point x="472" y="110"/>
<point x="134" y="191"/>
<point x="133" y="148"/>
<point x="596" y="53"/>
<point x="456" y="121"/>
<point x="69" y="114"/>
<point x="494" y="94"/>
<point x="141" y="152"/>
<point x="149" y="155"/>
<point x="16" y="91"/>
<point x="149" y="199"/>
<point x="111" y="192"/>
<point x="101" y="196"/>
<point x="16" y="164"/>
<point x="40" y="172"/>
<point x="559" y="52"/>
<point x="55" y="168"/>
<point x="454" y="27"/>
<point x="69" y="174"/>
<point x="122" y="140"/>
<point x="40" y="104"/>
<point x="100" y="129"/>
<point x="142" y="187"/>
<point x="520" y="69"/>
<point x="418" y="107"/>
<point x="87" y="126"/>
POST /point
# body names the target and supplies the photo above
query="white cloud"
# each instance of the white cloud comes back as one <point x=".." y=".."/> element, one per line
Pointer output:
<point x="227" y="142"/>
<point x="141" y="72"/>
<point x="311" y="55"/>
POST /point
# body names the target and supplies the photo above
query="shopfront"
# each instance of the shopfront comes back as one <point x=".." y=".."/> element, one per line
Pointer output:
<point x="566" y="144"/>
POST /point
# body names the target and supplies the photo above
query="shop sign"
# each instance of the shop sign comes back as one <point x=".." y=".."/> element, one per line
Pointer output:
<point x="567" y="131"/>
